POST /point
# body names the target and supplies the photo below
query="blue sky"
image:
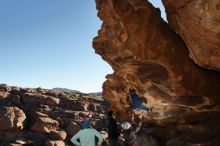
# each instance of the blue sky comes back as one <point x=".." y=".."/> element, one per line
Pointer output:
<point x="48" y="43"/>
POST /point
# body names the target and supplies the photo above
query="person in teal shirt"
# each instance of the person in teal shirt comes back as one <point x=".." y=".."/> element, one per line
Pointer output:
<point x="87" y="135"/>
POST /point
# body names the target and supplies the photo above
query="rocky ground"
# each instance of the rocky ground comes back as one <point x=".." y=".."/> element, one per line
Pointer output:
<point x="44" y="117"/>
<point x="40" y="117"/>
<point x="174" y="65"/>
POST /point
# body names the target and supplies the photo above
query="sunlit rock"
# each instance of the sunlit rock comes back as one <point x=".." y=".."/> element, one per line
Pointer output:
<point x="198" y="24"/>
<point x="146" y="54"/>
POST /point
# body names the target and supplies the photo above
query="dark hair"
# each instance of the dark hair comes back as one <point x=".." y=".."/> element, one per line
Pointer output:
<point x="132" y="91"/>
<point x="110" y="113"/>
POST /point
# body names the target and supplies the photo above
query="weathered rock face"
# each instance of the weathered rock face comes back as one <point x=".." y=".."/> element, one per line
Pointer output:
<point x="168" y="65"/>
<point x="45" y="125"/>
<point x="11" y="119"/>
<point x="44" y="117"/>
<point x="60" y="135"/>
<point x="39" y="99"/>
<point x="198" y="24"/>
<point x="147" y="55"/>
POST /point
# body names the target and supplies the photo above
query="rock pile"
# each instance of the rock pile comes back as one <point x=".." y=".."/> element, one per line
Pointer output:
<point x="43" y="117"/>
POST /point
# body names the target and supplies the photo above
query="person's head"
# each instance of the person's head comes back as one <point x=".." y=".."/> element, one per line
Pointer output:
<point x="86" y="123"/>
<point x="126" y="126"/>
<point x="132" y="91"/>
<point x="110" y="113"/>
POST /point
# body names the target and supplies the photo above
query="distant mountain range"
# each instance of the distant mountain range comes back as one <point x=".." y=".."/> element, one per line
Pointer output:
<point x="76" y="91"/>
<point x="95" y="94"/>
<point x="65" y="90"/>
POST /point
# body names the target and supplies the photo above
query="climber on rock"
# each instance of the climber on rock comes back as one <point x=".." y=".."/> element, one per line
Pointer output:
<point x="137" y="101"/>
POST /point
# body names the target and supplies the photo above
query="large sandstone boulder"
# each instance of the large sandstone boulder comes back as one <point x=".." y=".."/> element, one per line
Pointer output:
<point x="58" y="135"/>
<point x="4" y="88"/>
<point x="146" y="54"/>
<point x="73" y="128"/>
<point x="52" y="101"/>
<point x="174" y="66"/>
<point x="45" y="125"/>
<point x="198" y="24"/>
<point x="3" y="95"/>
<point x="72" y="104"/>
<point x="36" y="99"/>
<point x="11" y="119"/>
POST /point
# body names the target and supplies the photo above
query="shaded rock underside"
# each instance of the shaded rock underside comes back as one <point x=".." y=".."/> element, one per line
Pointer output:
<point x="175" y="65"/>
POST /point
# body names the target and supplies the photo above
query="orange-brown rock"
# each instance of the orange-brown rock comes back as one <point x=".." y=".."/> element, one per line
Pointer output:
<point x="147" y="55"/>
<point x="58" y="135"/>
<point x="73" y="128"/>
<point x="39" y="99"/>
<point x="44" y="125"/>
<point x="11" y="119"/>
<point x="34" y="116"/>
<point x="198" y="24"/>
